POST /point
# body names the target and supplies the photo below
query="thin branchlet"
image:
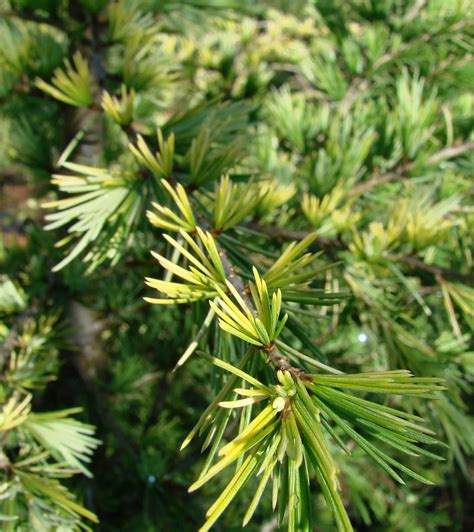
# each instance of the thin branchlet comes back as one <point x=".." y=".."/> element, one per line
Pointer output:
<point x="274" y="356"/>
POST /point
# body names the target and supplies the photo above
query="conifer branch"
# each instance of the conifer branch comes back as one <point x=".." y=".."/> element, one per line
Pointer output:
<point x="316" y="99"/>
<point x="360" y="83"/>
<point x="444" y="273"/>
<point x="333" y="245"/>
<point x="397" y="173"/>
<point x="279" y="361"/>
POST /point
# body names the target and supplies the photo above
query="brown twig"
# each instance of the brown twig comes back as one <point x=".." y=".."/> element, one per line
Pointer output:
<point x="332" y="245"/>
<point x="396" y="173"/>
<point x="450" y="153"/>
<point x="274" y="356"/>
<point x="412" y="13"/>
<point x="283" y="234"/>
<point x="282" y="362"/>
<point x="445" y="273"/>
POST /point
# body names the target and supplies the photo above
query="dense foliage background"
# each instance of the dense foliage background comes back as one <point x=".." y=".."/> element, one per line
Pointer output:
<point x="354" y="119"/>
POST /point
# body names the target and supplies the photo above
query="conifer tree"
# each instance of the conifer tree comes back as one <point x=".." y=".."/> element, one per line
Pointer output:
<point x="237" y="239"/>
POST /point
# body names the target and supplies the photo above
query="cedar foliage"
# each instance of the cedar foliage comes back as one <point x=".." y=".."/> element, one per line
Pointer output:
<point x="243" y="229"/>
